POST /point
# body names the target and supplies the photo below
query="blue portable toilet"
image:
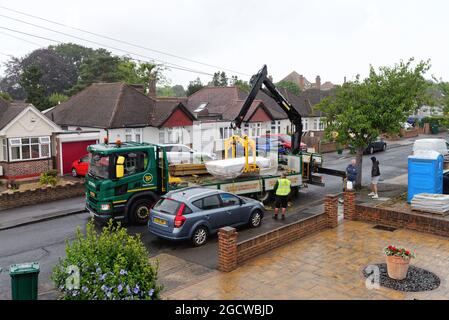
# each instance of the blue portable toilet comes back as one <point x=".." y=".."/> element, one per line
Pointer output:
<point x="425" y="173"/>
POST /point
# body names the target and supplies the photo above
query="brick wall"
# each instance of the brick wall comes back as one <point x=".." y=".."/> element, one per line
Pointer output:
<point x="349" y="210"/>
<point x="231" y="253"/>
<point x="41" y="195"/>
<point x="409" y="133"/>
<point x="25" y="169"/>
<point x="328" y="147"/>
<point x="413" y="221"/>
<point x="422" y="222"/>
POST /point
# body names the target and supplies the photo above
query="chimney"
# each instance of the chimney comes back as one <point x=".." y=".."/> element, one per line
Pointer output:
<point x="152" y="87"/>
<point x="318" y="82"/>
<point x="271" y="78"/>
<point x="344" y="81"/>
<point x="301" y="82"/>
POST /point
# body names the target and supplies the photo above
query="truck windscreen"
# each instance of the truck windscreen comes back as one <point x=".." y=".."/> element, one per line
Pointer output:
<point x="99" y="166"/>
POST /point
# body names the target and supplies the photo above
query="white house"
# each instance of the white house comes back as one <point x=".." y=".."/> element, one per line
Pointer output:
<point x="27" y="142"/>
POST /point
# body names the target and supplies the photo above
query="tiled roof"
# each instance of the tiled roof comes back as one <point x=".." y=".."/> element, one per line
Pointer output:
<point x="113" y="105"/>
<point x="8" y="111"/>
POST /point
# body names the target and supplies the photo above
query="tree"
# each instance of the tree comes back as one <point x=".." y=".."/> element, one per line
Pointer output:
<point x="35" y="91"/>
<point x="101" y="67"/>
<point x="74" y="53"/>
<point x="10" y="82"/>
<point x="178" y="90"/>
<point x="361" y="110"/>
<point x="194" y="86"/>
<point x="219" y="79"/>
<point x="56" y="98"/>
<point x="165" y="91"/>
<point x="444" y="100"/>
<point x="290" y="86"/>
<point x="242" y="85"/>
<point x="5" y="96"/>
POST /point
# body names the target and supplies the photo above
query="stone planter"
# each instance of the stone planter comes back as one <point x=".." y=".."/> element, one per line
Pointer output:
<point x="397" y="267"/>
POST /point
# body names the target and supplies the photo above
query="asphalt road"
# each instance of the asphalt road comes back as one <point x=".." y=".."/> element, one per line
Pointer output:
<point x="45" y="242"/>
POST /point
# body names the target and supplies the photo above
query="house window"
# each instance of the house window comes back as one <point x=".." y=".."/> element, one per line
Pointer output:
<point x="275" y="127"/>
<point x="133" y="135"/>
<point x="226" y="132"/>
<point x="321" y="125"/>
<point x="174" y="135"/>
<point x="305" y="124"/>
<point x="28" y="148"/>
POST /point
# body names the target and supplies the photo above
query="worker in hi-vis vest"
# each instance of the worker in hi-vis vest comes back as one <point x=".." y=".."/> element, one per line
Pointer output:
<point x="282" y="190"/>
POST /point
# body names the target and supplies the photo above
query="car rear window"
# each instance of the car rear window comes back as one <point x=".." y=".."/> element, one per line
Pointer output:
<point x="166" y="205"/>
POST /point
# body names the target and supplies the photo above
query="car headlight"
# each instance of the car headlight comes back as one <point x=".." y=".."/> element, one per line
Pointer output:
<point x="105" y="207"/>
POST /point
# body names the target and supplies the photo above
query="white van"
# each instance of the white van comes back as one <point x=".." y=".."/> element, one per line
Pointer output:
<point x="438" y="145"/>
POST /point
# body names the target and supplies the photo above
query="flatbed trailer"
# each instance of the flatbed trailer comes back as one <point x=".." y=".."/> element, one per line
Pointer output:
<point x="259" y="187"/>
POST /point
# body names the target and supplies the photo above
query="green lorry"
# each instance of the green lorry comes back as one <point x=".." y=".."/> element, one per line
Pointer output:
<point x="125" y="180"/>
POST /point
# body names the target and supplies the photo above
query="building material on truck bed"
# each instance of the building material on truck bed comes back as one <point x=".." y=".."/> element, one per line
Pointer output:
<point x="187" y="169"/>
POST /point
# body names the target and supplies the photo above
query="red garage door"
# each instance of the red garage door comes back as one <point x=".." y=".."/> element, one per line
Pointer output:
<point x="72" y="151"/>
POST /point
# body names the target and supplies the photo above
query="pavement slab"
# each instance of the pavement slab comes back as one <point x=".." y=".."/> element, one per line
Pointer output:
<point x="327" y="265"/>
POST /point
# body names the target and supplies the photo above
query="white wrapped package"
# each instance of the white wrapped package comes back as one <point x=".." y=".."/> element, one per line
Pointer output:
<point x="232" y="168"/>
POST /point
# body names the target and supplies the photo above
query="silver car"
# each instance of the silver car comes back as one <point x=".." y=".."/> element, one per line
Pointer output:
<point x="194" y="213"/>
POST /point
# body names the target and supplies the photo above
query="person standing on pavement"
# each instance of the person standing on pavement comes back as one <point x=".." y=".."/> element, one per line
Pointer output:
<point x="375" y="175"/>
<point x="282" y="189"/>
<point x="351" y="171"/>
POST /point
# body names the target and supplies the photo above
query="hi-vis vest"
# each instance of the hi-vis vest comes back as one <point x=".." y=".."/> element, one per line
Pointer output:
<point x="283" y="187"/>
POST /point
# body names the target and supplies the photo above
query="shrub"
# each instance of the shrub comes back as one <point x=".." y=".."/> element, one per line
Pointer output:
<point x="112" y="265"/>
<point x="49" y="178"/>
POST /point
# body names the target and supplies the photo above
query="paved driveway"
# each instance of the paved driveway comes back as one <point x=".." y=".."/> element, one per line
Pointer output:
<point x="326" y="265"/>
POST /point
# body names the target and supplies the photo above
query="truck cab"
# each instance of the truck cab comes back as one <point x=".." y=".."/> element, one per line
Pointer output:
<point x="124" y="180"/>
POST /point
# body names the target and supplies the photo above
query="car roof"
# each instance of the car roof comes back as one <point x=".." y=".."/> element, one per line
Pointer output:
<point x="191" y="193"/>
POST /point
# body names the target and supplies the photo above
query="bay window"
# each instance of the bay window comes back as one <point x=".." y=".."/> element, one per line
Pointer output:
<point x="28" y="148"/>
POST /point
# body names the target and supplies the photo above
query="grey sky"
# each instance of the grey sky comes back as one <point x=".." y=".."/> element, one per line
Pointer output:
<point x="330" y="38"/>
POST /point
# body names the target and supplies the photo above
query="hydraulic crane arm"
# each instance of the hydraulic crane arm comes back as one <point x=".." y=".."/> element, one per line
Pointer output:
<point x="270" y="89"/>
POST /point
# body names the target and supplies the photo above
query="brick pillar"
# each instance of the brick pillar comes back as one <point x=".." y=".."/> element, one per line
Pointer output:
<point x="227" y="249"/>
<point x="331" y="210"/>
<point x="349" y="205"/>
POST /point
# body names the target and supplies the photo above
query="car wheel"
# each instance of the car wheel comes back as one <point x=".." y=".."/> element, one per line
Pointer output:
<point x="74" y="173"/>
<point x="371" y="150"/>
<point x="199" y="236"/>
<point x="384" y="147"/>
<point x="256" y="219"/>
<point x="140" y="211"/>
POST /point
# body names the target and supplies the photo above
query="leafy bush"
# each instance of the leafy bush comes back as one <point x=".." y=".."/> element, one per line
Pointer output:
<point x="112" y="265"/>
<point x="436" y="120"/>
<point x="49" y="177"/>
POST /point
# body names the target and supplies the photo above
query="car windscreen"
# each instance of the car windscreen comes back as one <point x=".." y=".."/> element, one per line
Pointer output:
<point x="166" y="205"/>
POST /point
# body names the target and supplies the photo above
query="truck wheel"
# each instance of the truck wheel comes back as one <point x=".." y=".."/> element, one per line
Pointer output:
<point x="199" y="236"/>
<point x="140" y="211"/>
<point x="266" y="197"/>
